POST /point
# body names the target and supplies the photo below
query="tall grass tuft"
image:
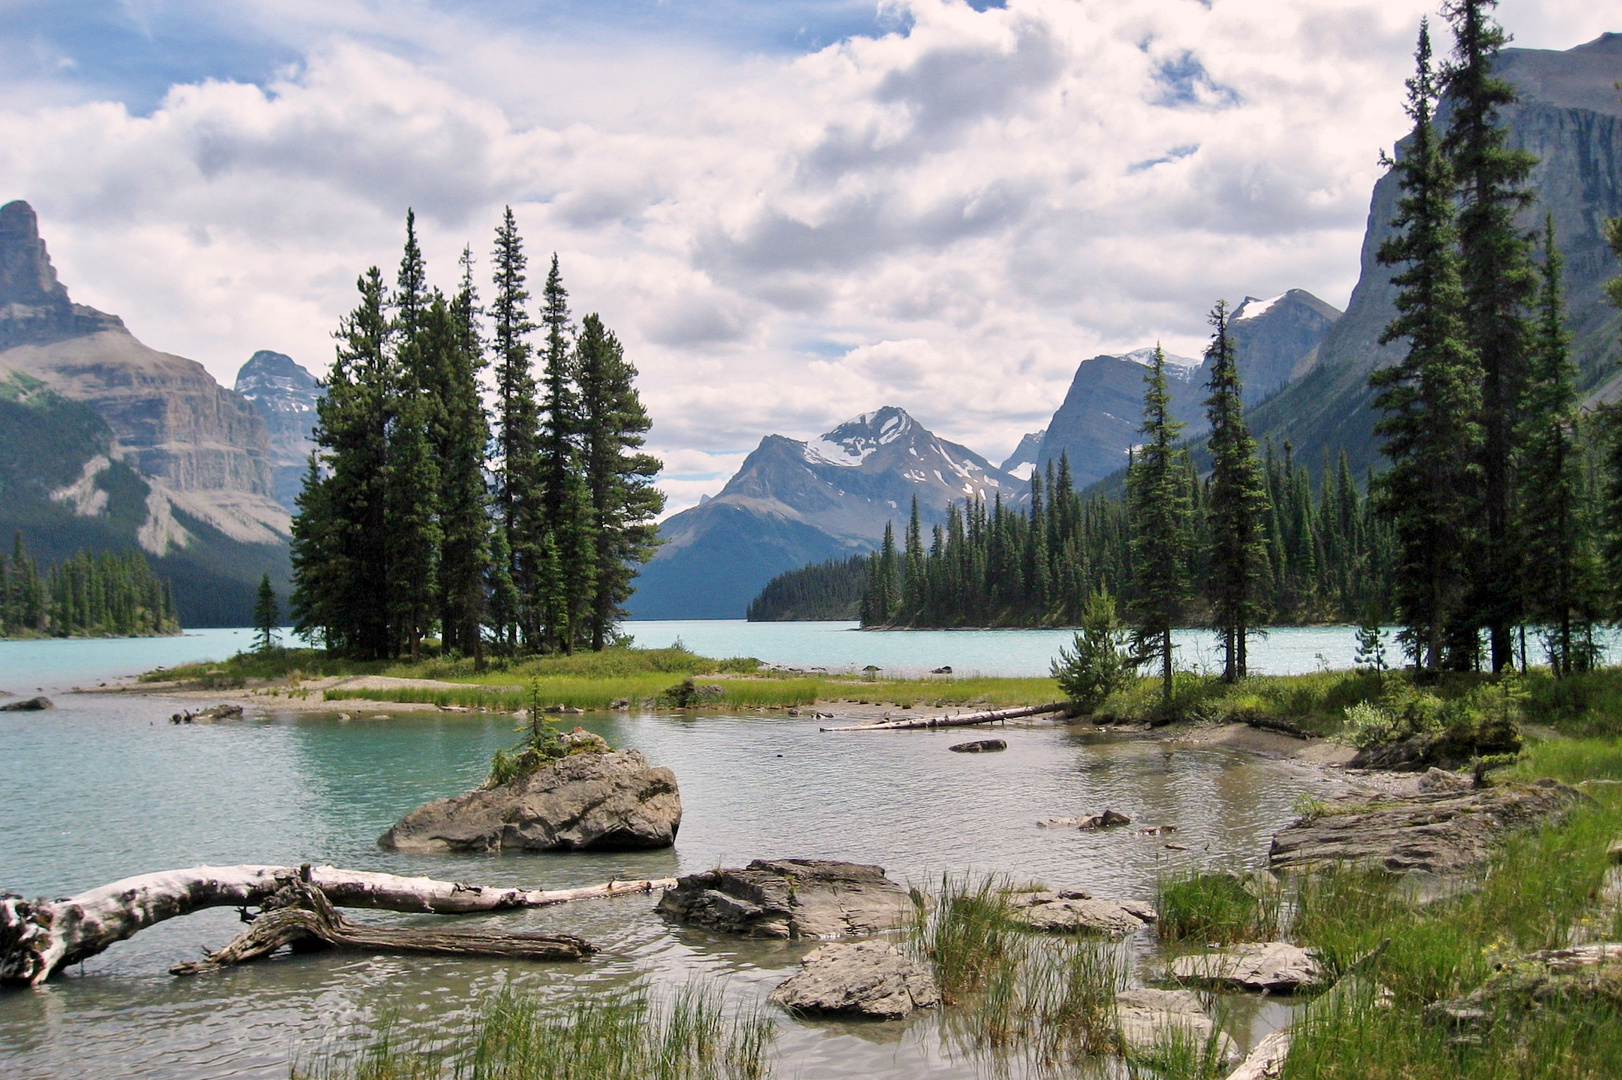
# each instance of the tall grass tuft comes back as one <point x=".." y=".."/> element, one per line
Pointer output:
<point x="1216" y="907"/>
<point x="516" y="1037"/>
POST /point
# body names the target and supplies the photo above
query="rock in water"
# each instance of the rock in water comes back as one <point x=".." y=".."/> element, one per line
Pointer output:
<point x="861" y="978"/>
<point x="586" y="801"/>
<point x="1154" y="1020"/>
<point x="979" y="746"/>
<point x="1442" y="832"/>
<point x="34" y="704"/>
<point x="1074" y="911"/>
<point x="790" y="898"/>
<point x="1275" y="966"/>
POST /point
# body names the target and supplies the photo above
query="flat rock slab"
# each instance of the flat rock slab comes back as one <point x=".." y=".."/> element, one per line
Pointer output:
<point x="587" y="801"/>
<point x="1073" y="911"/>
<point x="871" y="979"/>
<point x="979" y="746"/>
<point x="1532" y="981"/>
<point x="1151" y="1019"/>
<point x="1274" y="966"/>
<point x="1437" y="832"/>
<point x="1107" y="820"/>
<point x="790" y="898"/>
<point x="33" y="704"/>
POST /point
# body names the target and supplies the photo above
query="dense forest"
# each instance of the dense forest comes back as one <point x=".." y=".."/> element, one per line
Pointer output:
<point x="105" y="595"/>
<point x="425" y="514"/>
<point x="831" y="590"/>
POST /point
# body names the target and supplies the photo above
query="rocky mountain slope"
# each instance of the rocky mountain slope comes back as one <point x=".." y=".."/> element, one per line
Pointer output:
<point x="795" y="502"/>
<point x="1275" y="339"/>
<point x="1023" y="460"/>
<point x="1570" y="117"/>
<point x="146" y="448"/>
<point x="285" y="396"/>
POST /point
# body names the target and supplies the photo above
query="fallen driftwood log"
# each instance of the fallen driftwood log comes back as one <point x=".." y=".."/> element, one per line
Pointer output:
<point x="990" y="716"/>
<point x="300" y="915"/>
<point x="41" y="937"/>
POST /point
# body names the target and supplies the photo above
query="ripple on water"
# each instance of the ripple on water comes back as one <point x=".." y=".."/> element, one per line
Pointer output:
<point x="111" y="789"/>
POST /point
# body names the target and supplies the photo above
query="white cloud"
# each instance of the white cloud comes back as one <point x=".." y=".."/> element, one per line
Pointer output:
<point x="965" y="210"/>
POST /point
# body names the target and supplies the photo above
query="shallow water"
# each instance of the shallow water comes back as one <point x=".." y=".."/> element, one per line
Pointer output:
<point x="103" y="787"/>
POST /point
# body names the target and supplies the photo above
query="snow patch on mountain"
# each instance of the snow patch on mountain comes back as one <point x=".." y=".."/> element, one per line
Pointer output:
<point x="1253" y="308"/>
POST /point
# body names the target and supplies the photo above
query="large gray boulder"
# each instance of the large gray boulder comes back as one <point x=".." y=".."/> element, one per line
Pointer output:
<point x="1152" y="1021"/>
<point x="1437" y="832"/>
<point x="871" y="979"/>
<point x="586" y="801"/>
<point x="790" y="898"/>
<point x="1274" y="966"/>
<point x="1075" y="911"/>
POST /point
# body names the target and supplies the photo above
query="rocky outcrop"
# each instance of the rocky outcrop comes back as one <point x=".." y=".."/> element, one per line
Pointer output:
<point x="790" y="898"/>
<point x="586" y="801"/>
<point x="1150" y="1020"/>
<point x="1273" y="966"/>
<point x="979" y="746"/>
<point x="1440" y="832"/>
<point x="1437" y="751"/>
<point x="34" y="306"/>
<point x="1075" y="911"/>
<point x="1533" y="981"/>
<point x="865" y="979"/>
<point x="33" y="704"/>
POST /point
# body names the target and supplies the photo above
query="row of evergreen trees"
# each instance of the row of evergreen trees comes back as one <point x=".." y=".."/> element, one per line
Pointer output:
<point x="1319" y="550"/>
<point x="1498" y="523"/>
<point x="110" y="594"/>
<point x="424" y="513"/>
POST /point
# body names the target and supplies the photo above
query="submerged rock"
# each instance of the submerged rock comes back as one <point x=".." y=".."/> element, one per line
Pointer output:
<point x="1275" y="966"/>
<point x="33" y="704"/>
<point x="1075" y="911"/>
<point x="1441" y="832"/>
<point x="979" y="746"/>
<point x="586" y="801"/>
<point x="1107" y="820"/>
<point x="861" y="978"/>
<point x="789" y="898"/>
<point x="1151" y="1020"/>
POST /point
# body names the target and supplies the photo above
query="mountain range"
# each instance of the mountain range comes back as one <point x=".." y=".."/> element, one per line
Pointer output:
<point x="1304" y="364"/>
<point x="108" y="444"/>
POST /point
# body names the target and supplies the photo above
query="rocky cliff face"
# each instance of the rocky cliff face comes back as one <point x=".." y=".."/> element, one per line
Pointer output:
<point x="1274" y="340"/>
<point x="795" y="502"/>
<point x="1570" y="118"/>
<point x="285" y="396"/>
<point x="203" y="448"/>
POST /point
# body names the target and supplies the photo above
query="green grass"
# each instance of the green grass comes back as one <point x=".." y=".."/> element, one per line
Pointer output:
<point x="589" y="1038"/>
<point x="1216" y="907"/>
<point x="1572" y="760"/>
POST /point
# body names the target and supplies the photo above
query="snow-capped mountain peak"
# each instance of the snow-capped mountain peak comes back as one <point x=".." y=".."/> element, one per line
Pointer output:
<point x="856" y="440"/>
<point x="1253" y="308"/>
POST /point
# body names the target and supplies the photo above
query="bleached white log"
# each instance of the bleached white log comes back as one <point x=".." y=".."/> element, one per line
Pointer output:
<point x="40" y="937"/>
<point x="961" y="720"/>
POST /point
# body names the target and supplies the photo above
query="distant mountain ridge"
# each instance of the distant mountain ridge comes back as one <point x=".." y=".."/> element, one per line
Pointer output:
<point x="285" y="396"/>
<point x="796" y="502"/>
<point x="145" y="448"/>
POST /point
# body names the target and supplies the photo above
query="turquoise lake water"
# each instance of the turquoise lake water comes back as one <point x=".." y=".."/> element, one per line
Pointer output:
<point x="103" y="787"/>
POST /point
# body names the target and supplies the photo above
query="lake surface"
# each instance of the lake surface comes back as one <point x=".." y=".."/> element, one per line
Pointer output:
<point x="103" y="787"/>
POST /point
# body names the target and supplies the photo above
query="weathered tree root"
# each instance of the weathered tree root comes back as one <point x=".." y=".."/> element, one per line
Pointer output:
<point x="301" y="916"/>
<point x="41" y="937"/>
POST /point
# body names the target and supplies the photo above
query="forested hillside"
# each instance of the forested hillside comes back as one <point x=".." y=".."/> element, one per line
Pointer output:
<point x="824" y="592"/>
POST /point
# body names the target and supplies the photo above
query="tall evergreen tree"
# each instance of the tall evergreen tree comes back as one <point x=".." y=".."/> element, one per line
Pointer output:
<point x="412" y="534"/>
<point x="1237" y="579"/>
<point x="461" y="438"/>
<point x="1499" y="284"/>
<point x="1559" y="571"/>
<point x="1610" y="425"/>
<point x="517" y="424"/>
<point x="560" y="419"/>
<point x="1157" y="495"/>
<point x="624" y="501"/>
<point x="267" y="617"/>
<point x="1430" y="398"/>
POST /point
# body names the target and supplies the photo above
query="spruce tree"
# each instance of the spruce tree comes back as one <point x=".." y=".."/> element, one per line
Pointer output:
<point x="517" y="425"/>
<point x="1237" y="579"/>
<point x="1558" y="565"/>
<point x="267" y="617"/>
<point x="1499" y="283"/>
<point x="1157" y="494"/>
<point x="1610" y="426"/>
<point x="613" y="428"/>
<point x="411" y="524"/>
<point x="1429" y="398"/>
<point x="560" y="418"/>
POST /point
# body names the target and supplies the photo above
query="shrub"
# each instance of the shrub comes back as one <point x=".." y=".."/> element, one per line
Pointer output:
<point x="1099" y="663"/>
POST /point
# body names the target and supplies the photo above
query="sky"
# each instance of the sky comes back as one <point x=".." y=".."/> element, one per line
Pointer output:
<point x="790" y="211"/>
